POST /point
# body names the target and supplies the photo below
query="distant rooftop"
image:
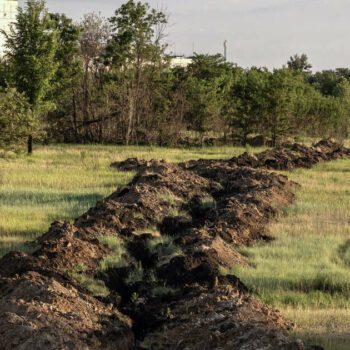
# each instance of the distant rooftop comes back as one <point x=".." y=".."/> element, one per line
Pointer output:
<point x="8" y="12"/>
<point x="180" y="61"/>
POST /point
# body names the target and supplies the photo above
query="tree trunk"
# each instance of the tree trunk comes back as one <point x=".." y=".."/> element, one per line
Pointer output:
<point x="131" y="118"/>
<point x="86" y="102"/>
<point x="30" y="144"/>
<point x="75" y="127"/>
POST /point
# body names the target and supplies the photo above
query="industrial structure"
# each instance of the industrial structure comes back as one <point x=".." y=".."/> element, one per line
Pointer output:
<point x="8" y="12"/>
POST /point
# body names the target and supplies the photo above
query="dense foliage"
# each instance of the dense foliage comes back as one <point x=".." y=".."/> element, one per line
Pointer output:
<point x="16" y="120"/>
<point x="111" y="81"/>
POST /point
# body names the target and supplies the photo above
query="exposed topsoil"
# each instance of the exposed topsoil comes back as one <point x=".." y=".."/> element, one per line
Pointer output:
<point x="148" y="267"/>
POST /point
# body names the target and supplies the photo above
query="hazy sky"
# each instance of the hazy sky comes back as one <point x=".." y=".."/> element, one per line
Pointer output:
<point x="259" y="32"/>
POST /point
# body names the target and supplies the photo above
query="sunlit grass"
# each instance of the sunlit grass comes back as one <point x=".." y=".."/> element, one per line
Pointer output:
<point x="305" y="271"/>
<point x="61" y="182"/>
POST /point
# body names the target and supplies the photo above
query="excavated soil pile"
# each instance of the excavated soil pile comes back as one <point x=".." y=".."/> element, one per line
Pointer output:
<point x="288" y="157"/>
<point x="149" y="267"/>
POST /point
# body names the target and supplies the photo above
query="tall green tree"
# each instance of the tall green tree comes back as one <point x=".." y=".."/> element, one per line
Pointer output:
<point x="31" y="47"/>
<point x="299" y="64"/>
<point x="329" y="82"/>
<point x="282" y="93"/>
<point x="136" y="55"/>
<point x="94" y="37"/>
<point x="65" y="85"/>
<point x="209" y="82"/>
<point x="250" y="102"/>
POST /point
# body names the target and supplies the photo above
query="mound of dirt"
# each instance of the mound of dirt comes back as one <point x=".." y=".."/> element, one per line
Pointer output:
<point x="41" y="312"/>
<point x="294" y="156"/>
<point x="149" y="266"/>
<point x="288" y="157"/>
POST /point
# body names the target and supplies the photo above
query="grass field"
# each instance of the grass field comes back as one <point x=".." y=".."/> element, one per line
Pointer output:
<point x="63" y="181"/>
<point x="304" y="272"/>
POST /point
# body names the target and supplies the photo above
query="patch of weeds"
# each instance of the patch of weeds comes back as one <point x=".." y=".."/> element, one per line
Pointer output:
<point x="80" y="268"/>
<point x="169" y="313"/>
<point x="175" y="212"/>
<point x="169" y="198"/>
<point x="135" y="276"/>
<point x="208" y="202"/>
<point x="164" y="246"/>
<point x="111" y="242"/>
<point x="134" y="297"/>
<point x="138" y="216"/>
<point x="116" y="259"/>
<point x="223" y="271"/>
<point x="150" y="276"/>
<point x="94" y="286"/>
<point x="153" y="231"/>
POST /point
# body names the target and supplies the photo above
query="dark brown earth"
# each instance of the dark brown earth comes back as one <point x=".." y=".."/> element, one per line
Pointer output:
<point x="164" y="283"/>
<point x="288" y="157"/>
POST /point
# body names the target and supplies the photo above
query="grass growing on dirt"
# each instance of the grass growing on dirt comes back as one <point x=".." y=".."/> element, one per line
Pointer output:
<point x="208" y="202"/>
<point x="96" y="287"/>
<point x="61" y="182"/>
<point x="135" y="275"/>
<point x="305" y="271"/>
<point x="116" y="258"/>
<point x="164" y="247"/>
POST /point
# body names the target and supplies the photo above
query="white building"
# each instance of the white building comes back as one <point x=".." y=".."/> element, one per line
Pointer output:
<point x="8" y="12"/>
<point x="179" y="61"/>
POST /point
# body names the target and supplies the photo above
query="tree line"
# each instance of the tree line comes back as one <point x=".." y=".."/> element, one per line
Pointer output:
<point x="111" y="81"/>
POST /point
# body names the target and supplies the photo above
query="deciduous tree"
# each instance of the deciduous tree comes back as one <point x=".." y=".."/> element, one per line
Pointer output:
<point x="31" y="47"/>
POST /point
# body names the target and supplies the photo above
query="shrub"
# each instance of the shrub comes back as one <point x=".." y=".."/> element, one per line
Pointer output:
<point x="17" y="121"/>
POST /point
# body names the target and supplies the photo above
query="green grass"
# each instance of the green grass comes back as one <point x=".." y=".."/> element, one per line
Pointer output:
<point x="116" y="258"/>
<point x="135" y="275"/>
<point x="305" y="271"/>
<point x="96" y="287"/>
<point x="164" y="247"/>
<point x="208" y="202"/>
<point x="61" y="182"/>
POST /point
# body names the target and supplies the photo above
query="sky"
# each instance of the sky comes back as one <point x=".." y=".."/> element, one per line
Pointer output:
<point x="259" y="32"/>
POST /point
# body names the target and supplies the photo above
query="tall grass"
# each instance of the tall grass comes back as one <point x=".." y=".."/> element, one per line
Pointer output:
<point x="305" y="271"/>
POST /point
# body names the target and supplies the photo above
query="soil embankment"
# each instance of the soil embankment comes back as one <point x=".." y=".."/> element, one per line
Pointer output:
<point x="145" y="268"/>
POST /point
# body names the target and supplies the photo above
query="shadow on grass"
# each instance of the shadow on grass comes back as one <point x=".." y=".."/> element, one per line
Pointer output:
<point x="18" y="241"/>
<point x="328" y="341"/>
<point x="56" y="207"/>
<point x="344" y="253"/>
<point x="42" y="198"/>
<point x="319" y="283"/>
